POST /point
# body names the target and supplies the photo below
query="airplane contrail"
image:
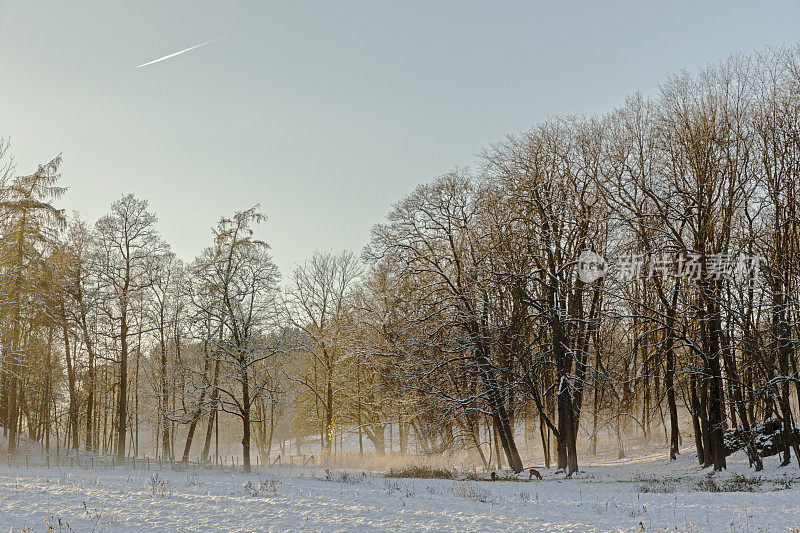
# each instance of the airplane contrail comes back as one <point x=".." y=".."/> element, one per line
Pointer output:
<point x="178" y="53"/>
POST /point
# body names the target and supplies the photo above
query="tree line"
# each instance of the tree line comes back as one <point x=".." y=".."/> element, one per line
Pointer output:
<point x="618" y="274"/>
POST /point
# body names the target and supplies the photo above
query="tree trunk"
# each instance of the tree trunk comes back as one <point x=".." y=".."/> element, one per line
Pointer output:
<point x="499" y="414"/>
<point x="669" y="376"/>
<point x="90" y="382"/>
<point x="165" y="448"/>
<point x="213" y="414"/>
<point x="698" y="432"/>
<point x="72" y="415"/>
<point x="245" y="411"/>
<point x="122" y="415"/>
<point x="329" y="429"/>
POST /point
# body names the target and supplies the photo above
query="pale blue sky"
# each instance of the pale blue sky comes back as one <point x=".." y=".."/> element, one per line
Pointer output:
<point x="327" y="112"/>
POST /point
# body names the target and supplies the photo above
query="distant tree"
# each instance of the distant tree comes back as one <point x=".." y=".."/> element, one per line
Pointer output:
<point x="318" y="307"/>
<point x="29" y="222"/>
<point x="128" y="240"/>
<point x="433" y="240"/>
<point x="165" y="273"/>
<point x="235" y="285"/>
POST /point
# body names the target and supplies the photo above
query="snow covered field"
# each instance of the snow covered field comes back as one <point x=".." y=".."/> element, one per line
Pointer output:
<point x="643" y="493"/>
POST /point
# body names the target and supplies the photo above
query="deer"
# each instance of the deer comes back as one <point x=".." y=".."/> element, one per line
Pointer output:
<point x="531" y="473"/>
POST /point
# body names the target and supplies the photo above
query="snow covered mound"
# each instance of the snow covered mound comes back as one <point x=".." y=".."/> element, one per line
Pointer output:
<point x="767" y="437"/>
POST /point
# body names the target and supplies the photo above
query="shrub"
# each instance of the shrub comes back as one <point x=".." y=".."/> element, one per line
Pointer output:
<point x="470" y="491"/>
<point x="421" y="472"/>
<point x="344" y="477"/>
<point x="737" y="483"/>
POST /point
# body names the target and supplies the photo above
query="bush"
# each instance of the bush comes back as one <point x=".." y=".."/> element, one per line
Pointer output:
<point x="264" y="488"/>
<point x="344" y="477"/>
<point x="421" y="472"/>
<point x="737" y="483"/>
<point x="158" y="485"/>
<point x="655" y="484"/>
<point x="475" y="476"/>
<point x="661" y="486"/>
<point x="707" y="484"/>
<point x="766" y="436"/>
<point x="470" y="491"/>
<point x="740" y="483"/>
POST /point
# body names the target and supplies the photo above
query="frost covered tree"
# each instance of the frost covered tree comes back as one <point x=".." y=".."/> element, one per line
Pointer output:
<point x="432" y="238"/>
<point x="165" y="274"/>
<point x="128" y="239"/>
<point x="29" y="222"/>
<point x="235" y="286"/>
<point x="318" y="308"/>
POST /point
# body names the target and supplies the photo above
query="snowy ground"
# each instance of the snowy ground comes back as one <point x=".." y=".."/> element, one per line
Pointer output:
<point x="642" y="493"/>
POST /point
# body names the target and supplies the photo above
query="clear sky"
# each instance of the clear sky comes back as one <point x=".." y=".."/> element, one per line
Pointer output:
<point x="327" y="112"/>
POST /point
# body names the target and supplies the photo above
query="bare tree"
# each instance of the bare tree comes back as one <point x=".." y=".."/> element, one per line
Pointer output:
<point x="128" y="239"/>
<point x="235" y="286"/>
<point x="318" y="308"/>
<point x="431" y="237"/>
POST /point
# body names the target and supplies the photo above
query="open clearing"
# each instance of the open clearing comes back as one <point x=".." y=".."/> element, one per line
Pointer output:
<point x="641" y="493"/>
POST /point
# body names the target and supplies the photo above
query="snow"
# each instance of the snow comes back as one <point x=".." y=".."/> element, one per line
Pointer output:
<point x="644" y="492"/>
